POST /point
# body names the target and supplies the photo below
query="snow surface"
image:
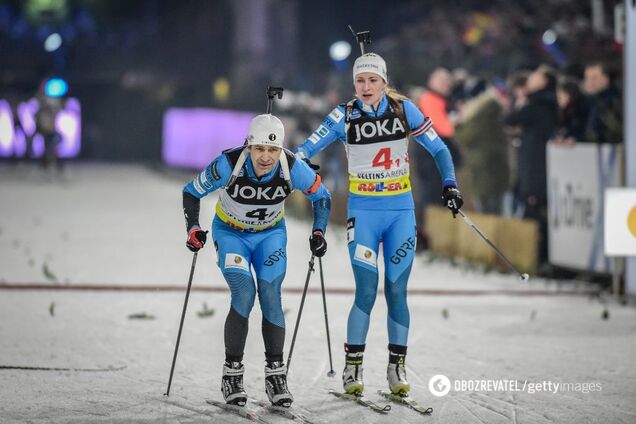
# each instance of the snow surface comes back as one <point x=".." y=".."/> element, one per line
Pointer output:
<point x="123" y="225"/>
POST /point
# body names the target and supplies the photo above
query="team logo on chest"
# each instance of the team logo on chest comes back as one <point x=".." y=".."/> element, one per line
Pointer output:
<point x="258" y="193"/>
<point x="377" y="129"/>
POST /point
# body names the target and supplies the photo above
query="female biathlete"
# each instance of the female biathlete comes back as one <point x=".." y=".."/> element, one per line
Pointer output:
<point x="374" y="128"/>
<point x="249" y="231"/>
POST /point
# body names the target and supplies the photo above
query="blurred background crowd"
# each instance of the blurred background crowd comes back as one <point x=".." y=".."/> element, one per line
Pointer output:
<point x="499" y="79"/>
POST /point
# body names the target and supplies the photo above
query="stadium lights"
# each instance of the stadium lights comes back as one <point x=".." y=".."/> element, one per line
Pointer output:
<point x="549" y="37"/>
<point x="56" y="87"/>
<point x="340" y="50"/>
<point x="53" y="42"/>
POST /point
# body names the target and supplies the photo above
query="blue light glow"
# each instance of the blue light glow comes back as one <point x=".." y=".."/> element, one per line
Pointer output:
<point x="56" y="87"/>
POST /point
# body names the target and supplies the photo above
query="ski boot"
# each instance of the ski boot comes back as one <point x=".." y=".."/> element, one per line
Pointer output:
<point x="396" y="371"/>
<point x="276" y="384"/>
<point x="232" y="383"/>
<point x="352" y="374"/>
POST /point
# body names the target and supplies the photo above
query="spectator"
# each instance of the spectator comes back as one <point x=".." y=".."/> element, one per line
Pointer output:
<point x="573" y="112"/>
<point x="481" y="137"/>
<point x="538" y="120"/>
<point x="433" y="104"/>
<point x="518" y="96"/>
<point x="518" y="84"/>
<point x="45" y="124"/>
<point x="605" y="121"/>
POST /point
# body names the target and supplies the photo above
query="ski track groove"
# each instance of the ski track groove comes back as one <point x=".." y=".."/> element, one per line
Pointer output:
<point x="193" y="409"/>
<point x="469" y="411"/>
<point x="441" y="411"/>
<point x="591" y="403"/>
<point x="319" y="371"/>
<point x="271" y="417"/>
<point x="515" y="406"/>
<point x="485" y="405"/>
<point x="423" y="386"/>
<point x="183" y="415"/>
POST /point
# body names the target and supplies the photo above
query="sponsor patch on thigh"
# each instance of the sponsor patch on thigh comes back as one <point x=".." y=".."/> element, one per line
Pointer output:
<point x="365" y="254"/>
<point x="233" y="260"/>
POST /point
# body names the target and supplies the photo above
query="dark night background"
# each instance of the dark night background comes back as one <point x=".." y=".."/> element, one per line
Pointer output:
<point x="127" y="62"/>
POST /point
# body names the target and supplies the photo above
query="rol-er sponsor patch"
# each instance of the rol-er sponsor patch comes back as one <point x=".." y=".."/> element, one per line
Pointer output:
<point x="314" y="138"/>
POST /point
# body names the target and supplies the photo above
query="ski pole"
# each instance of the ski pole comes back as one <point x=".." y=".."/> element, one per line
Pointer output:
<point x="271" y="93"/>
<point x="523" y="277"/>
<point x="300" y="310"/>
<point x="363" y="38"/>
<point x="185" y="306"/>
<point x="331" y="372"/>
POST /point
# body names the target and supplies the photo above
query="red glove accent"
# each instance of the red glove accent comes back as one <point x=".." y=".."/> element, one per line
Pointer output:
<point x="196" y="239"/>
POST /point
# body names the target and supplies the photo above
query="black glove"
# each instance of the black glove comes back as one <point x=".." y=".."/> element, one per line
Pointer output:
<point x="313" y="166"/>
<point x="318" y="244"/>
<point x="196" y="239"/>
<point x="452" y="199"/>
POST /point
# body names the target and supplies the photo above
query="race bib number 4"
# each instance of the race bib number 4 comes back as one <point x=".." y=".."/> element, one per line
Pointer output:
<point x="383" y="159"/>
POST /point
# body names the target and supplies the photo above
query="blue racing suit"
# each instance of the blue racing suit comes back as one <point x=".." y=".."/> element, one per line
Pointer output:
<point x="249" y="232"/>
<point x="380" y="205"/>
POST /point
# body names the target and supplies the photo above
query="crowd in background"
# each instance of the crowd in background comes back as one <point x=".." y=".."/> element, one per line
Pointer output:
<point x="499" y="80"/>
<point x="497" y="134"/>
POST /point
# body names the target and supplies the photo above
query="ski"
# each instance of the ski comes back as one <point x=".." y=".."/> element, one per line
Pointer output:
<point x="242" y="411"/>
<point x="287" y="412"/>
<point x="211" y="414"/>
<point x="361" y="400"/>
<point x="189" y="408"/>
<point x="407" y="401"/>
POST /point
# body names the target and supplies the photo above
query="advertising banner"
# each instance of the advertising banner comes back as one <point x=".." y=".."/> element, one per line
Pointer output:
<point x="577" y="178"/>
<point x="192" y="138"/>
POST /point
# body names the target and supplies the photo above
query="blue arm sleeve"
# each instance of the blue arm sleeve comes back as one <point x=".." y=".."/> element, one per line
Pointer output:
<point x="321" y="208"/>
<point x="445" y="166"/>
<point x="213" y="177"/>
<point x="305" y="179"/>
<point x="431" y="142"/>
<point x="331" y="129"/>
